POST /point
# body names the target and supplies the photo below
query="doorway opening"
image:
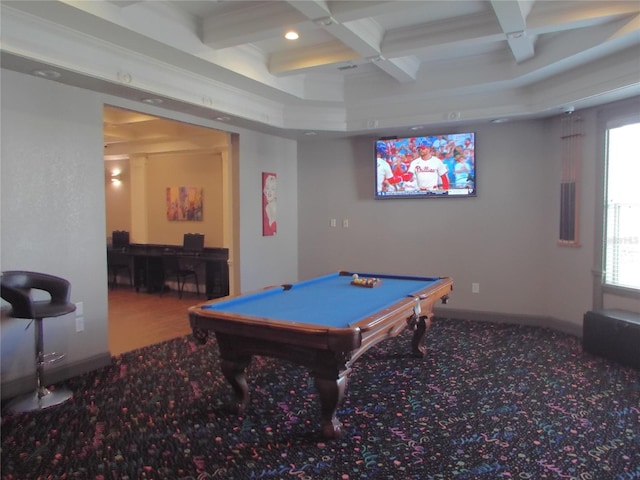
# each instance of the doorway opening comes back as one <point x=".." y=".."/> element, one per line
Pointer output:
<point x="144" y="155"/>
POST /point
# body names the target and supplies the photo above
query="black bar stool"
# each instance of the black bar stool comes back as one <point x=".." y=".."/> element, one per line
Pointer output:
<point x="16" y="289"/>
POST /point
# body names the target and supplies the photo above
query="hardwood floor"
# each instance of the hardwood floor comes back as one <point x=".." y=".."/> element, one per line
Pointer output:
<point x="140" y="319"/>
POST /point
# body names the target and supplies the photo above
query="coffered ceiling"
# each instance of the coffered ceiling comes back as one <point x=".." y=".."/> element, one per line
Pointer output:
<point x="358" y="66"/>
<point x="128" y="133"/>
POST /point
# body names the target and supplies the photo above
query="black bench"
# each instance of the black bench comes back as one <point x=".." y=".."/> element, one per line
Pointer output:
<point x="613" y="334"/>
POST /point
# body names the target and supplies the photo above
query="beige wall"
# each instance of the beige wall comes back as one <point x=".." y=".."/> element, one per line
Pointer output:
<point x="52" y="173"/>
<point x="53" y="218"/>
<point x="162" y="171"/>
<point x="505" y="239"/>
<point x="118" y="197"/>
<point x="175" y="170"/>
<point x="53" y="200"/>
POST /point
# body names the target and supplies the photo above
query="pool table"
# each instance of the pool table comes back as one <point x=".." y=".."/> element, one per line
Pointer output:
<point x="323" y="324"/>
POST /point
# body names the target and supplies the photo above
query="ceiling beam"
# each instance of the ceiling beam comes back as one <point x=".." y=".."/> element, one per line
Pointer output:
<point x="249" y="25"/>
<point x="363" y="36"/>
<point x="512" y="17"/>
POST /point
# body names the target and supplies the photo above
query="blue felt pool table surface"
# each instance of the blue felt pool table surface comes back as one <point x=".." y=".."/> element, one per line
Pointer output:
<point x="329" y="301"/>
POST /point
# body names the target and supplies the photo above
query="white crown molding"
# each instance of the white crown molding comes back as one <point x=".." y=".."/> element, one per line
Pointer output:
<point x="484" y="86"/>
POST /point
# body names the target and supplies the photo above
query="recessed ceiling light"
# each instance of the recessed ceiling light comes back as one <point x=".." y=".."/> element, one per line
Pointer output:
<point x="291" y="35"/>
<point x="500" y="120"/>
<point x="152" y="101"/>
<point x="310" y="134"/>
<point x="417" y="127"/>
<point x="223" y="119"/>
<point x="47" y="73"/>
<point x="514" y="35"/>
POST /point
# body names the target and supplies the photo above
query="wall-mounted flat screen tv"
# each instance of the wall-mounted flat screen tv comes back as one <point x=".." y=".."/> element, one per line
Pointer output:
<point x="433" y="166"/>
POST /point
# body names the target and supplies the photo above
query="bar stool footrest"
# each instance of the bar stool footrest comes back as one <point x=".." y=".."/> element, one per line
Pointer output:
<point x="53" y="357"/>
<point x="39" y="400"/>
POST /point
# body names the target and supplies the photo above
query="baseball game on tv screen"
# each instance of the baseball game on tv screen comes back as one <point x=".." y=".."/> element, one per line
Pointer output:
<point x="434" y="166"/>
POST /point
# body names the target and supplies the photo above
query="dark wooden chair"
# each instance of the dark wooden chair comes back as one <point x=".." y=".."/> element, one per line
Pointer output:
<point x="120" y="239"/>
<point x="173" y="268"/>
<point x="118" y="261"/>
<point x="193" y="243"/>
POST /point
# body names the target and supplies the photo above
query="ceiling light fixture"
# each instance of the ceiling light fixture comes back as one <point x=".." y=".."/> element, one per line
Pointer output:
<point x="152" y="101"/>
<point x="325" y="21"/>
<point x="514" y="35"/>
<point x="47" y="74"/>
<point x="291" y="35"/>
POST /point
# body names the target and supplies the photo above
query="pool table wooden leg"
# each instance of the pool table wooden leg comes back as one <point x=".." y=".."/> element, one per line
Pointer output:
<point x="234" y="372"/>
<point x="417" y="343"/>
<point x="331" y="393"/>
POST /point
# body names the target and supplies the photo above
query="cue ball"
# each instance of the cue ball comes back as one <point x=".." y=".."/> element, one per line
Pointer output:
<point x="355" y="276"/>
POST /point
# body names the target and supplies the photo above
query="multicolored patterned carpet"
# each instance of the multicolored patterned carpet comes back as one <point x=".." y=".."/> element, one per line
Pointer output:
<point x="490" y="401"/>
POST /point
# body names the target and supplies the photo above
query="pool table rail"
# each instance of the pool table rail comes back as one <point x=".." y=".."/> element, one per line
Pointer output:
<point x="268" y="329"/>
<point x="403" y="308"/>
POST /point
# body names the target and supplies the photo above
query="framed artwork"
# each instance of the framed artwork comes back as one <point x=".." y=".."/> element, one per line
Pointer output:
<point x="184" y="204"/>
<point x="269" y="204"/>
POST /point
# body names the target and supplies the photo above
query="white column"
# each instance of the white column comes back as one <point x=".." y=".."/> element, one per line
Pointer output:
<point x="139" y="224"/>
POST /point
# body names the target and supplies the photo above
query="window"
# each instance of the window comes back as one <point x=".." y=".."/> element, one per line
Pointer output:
<point x="621" y="260"/>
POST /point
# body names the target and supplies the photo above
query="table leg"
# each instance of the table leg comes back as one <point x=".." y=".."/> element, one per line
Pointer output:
<point x="331" y="393"/>
<point x="417" y="343"/>
<point x="234" y="372"/>
<point x="200" y="335"/>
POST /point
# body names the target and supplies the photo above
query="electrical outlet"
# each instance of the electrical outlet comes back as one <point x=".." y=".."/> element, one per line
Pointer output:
<point x="345" y="223"/>
<point x="475" y="288"/>
<point x="79" y="324"/>
<point x="332" y="222"/>
<point x="79" y="309"/>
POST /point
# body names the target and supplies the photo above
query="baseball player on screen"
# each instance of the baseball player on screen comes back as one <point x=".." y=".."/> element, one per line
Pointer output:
<point x="429" y="172"/>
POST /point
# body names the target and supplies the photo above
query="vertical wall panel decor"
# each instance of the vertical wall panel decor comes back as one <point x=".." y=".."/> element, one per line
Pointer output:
<point x="570" y="179"/>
